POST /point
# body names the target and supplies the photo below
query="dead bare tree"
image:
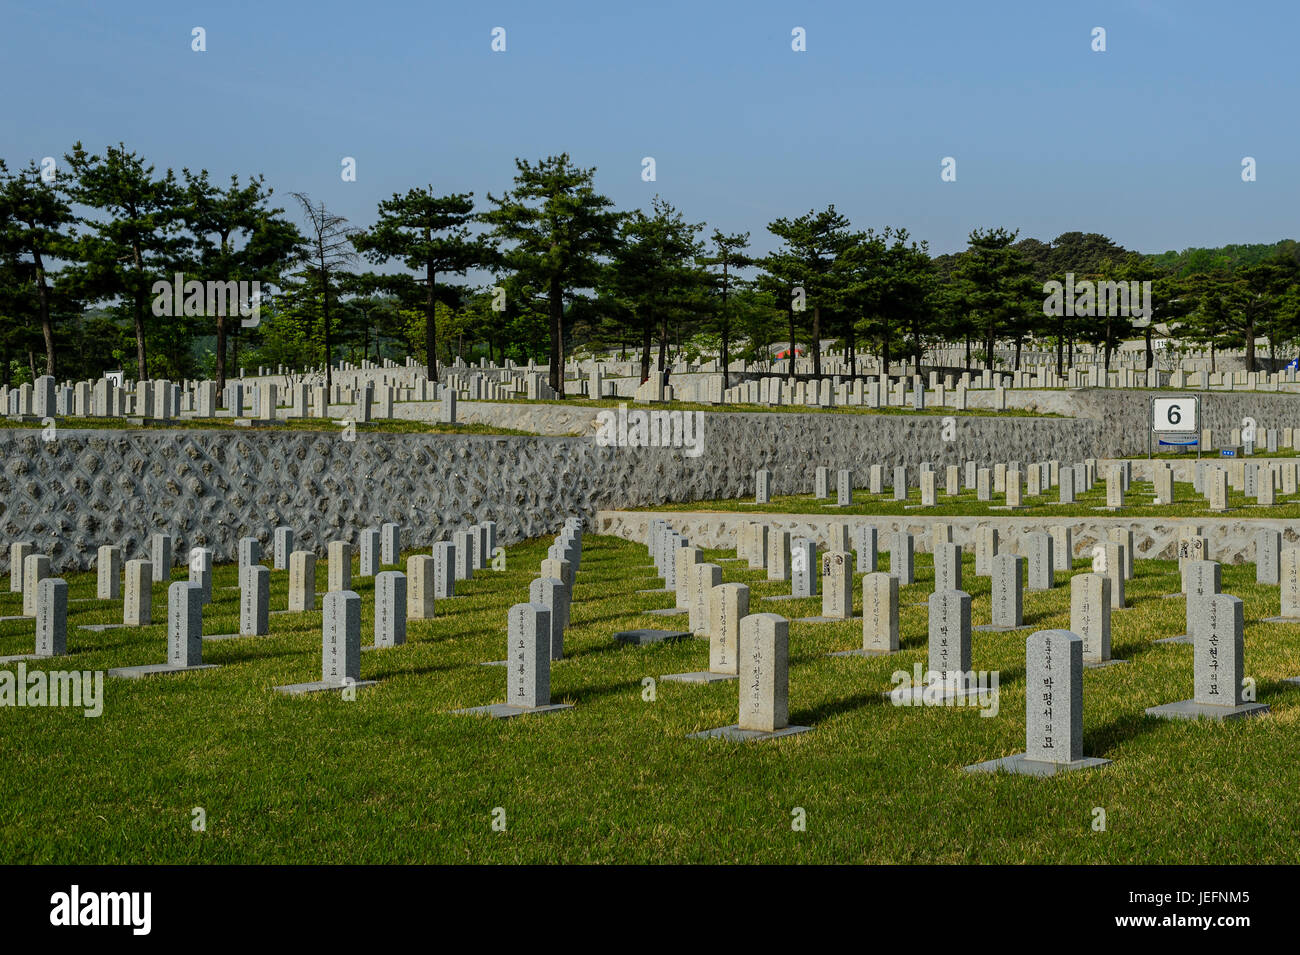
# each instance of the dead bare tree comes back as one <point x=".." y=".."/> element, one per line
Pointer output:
<point x="327" y="252"/>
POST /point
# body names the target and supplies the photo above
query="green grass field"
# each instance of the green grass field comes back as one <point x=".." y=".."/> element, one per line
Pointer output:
<point x="1137" y="503"/>
<point x="394" y="777"/>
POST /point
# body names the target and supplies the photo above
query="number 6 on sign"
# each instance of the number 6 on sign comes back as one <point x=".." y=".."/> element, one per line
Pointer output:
<point x="1175" y="422"/>
<point x="1174" y="414"/>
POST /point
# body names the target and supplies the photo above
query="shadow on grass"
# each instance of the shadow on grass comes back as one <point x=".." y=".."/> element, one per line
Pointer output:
<point x="591" y="650"/>
<point x="1102" y="740"/>
<point x="241" y="650"/>
<point x="821" y="713"/>
<point x="1033" y="619"/>
<point x="1275" y="686"/>
<point x="589" y="693"/>
<point x="457" y="635"/>
<point x="413" y="671"/>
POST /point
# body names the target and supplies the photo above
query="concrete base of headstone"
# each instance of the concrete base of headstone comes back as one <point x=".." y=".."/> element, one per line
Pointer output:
<point x="1098" y="664"/>
<point x="1181" y="638"/>
<point x="736" y="734"/>
<point x="700" y="676"/>
<point x="826" y="619"/>
<point x="991" y="628"/>
<point x="788" y="597"/>
<point x="659" y="590"/>
<point x="497" y="663"/>
<point x="503" y="711"/>
<point x="297" y="689"/>
<point x="863" y="653"/>
<point x="101" y="627"/>
<point x="149" y="669"/>
<point x="668" y="612"/>
<point x="1021" y="766"/>
<point x="1292" y="679"/>
<point x="16" y="619"/>
<point x="227" y="636"/>
<point x="641" y="638"/>
<point x="1012" y="507"/>
<point x="1280" y="619"/>
<point x="1191" y="710"/>
<point x="19" y="658"/>
<point x="281" y="613"/>
<point x="393" y="647"/>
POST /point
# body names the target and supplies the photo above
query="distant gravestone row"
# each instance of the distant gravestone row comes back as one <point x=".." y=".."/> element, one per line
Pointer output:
<point x="1261" y="481"/>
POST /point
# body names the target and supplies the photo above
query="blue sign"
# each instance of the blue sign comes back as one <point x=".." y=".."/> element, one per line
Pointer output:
<point x="1293" y="364"/>
<point x="1228" y="453"/>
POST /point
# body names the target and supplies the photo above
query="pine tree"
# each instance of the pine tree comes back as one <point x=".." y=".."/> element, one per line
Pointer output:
<point x="35" y="218"/>
<point x="728" y="256"/>
<point x="136" y="237"/>
<point x="430" y="234"/>
<point x="555" y="226"/>
<point x="238" y="237"/>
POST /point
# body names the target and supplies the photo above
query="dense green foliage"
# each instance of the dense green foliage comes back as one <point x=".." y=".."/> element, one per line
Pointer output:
<point x="566" y="274"/>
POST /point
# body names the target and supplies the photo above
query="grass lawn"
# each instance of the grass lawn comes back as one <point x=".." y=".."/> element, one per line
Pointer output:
<point x="1137" y="503"/>
<point x="393" y="777"/>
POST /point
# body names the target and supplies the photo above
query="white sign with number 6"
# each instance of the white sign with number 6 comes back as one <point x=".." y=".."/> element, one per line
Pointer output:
<point x="1174" y="414"/>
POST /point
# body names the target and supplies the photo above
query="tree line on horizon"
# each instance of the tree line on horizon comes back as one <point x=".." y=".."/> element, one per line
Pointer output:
<point x="79" y="256"/>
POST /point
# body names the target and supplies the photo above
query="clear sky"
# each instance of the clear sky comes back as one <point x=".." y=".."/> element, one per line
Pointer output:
<point x="1143" y="142"/>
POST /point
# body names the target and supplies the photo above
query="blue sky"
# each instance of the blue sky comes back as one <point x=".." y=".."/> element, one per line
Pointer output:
<point x="1143" y="142"/>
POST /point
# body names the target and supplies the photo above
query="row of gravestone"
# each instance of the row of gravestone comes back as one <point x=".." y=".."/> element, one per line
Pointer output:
<point x="398" y="596"/>
<point x="796" y="559"/>
<point x="1259" y="480"/>
<point x="755" y="645"/>
<point x="164" y="400"/>
<point x="1003" y="478"/>
<point x="1215" y="627"/>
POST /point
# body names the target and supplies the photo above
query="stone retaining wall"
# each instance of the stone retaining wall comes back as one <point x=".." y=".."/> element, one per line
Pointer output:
<point x="1124" y="416"/>
<point x="211" y="487"/>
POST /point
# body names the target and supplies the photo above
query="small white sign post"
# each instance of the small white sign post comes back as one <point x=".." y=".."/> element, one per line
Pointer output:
<point x="1175" y="422"/>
